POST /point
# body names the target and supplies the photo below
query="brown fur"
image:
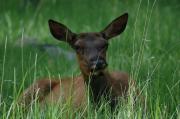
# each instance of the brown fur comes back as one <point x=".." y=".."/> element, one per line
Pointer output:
<point x="91" y="51"/>
<point x="53" y="90"/>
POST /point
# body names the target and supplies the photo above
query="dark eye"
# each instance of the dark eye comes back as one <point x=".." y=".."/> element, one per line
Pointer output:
<point x="76" y="47"/>
<point x="79" y="49"/>
<point x="104" y="47"/>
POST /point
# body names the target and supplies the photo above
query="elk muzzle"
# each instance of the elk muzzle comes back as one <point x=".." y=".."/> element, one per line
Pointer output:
<point x="97" y="65"/>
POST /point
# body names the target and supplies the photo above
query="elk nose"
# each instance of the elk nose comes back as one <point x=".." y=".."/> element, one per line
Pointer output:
<point x="98" y="64"/>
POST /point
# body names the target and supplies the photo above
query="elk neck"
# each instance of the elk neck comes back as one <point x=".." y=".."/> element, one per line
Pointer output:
<point x="99" y="85"/>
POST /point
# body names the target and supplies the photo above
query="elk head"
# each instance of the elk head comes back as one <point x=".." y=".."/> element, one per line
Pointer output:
<point x="90" y="47"/>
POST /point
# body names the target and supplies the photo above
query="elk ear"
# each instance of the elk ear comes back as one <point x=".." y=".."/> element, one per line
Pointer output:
<point x="60" y="31"/>
<point x="116" y="27"/>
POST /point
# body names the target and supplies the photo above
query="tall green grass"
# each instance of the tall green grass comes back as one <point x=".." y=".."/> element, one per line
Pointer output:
<point x="148" y="50"/>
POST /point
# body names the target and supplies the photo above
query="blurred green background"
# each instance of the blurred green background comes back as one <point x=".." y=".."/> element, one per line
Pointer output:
<point x="149" y="48"/>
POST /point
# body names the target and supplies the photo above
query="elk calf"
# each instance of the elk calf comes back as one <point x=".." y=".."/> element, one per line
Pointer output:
<point x="91" y="51"/>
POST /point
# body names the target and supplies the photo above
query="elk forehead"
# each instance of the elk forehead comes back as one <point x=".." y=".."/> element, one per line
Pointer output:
<point x="90" y="40"/>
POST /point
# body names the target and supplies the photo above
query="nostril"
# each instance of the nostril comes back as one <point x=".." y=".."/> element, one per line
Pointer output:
<point x="93" y="59"/>
<point x="100" y="63"/>
<point x="104" y="64"/>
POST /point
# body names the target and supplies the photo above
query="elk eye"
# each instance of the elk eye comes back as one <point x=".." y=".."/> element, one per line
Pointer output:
<point x="104" y="47"/>
<point x="79" y="49"/>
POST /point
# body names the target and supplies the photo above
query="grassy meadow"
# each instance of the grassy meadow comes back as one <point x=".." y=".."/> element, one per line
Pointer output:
<point x="149" y="50"/>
